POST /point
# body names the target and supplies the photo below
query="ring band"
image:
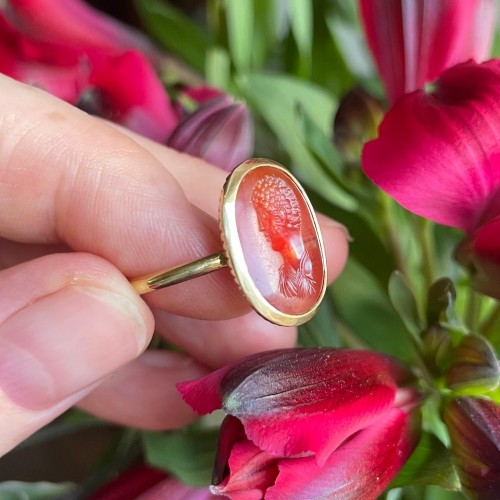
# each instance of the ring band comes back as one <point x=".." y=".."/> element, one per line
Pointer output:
<point x="271" y="242"/>
<point x="173" y="276"/>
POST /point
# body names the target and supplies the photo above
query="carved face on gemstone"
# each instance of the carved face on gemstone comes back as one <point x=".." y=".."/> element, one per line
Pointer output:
<point x="278" y="214"/>
<point x="273" y="242"/>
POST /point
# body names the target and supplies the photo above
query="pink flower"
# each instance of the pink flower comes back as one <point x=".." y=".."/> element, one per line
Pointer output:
<point x="413" y="41"/>
<point x="308" y="423"/>
<point x="72" y="51"/>
<point x="438" y="155"/>
<point x="220" y="131"/>
<point x="474" y="427"/>
<point x="76" y="26"/>
<point x="146" y="483"/>
<point x="125" y="89"/>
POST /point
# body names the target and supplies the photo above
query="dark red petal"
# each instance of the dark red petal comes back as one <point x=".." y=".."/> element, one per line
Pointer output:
<point x="486" y="243"/>
<point x="482" y="251"/>
<point x="231" y="431"/>
<point x="251" y="472"/>
<point x="437" y="152"/>
<point x="130" y="484"/>
<point x="360" y="469"/>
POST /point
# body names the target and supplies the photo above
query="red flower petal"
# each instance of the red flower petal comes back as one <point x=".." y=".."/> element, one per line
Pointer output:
<point x="413" y="41"/>
<point x="360" y="469"/>
<point x="437" y="152"/>
<point x="203" y="394"/>
<point x="142" y="103"/>
<point x="76" y="25"/>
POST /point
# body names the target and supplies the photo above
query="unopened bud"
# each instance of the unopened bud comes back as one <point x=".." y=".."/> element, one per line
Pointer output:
<point x="219" y="131"/>
<point x="474" y="427"/>
<point x="474" y="367"/>
<point x="356" y="122"/>
<point x="437" y="349"/>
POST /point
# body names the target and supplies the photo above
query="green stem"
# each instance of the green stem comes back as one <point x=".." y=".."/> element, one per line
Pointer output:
<point x="491" y="324"/>
<point x="390" y="227"/>
<point x="428" y="251"/>
<point x="473" y="311"/>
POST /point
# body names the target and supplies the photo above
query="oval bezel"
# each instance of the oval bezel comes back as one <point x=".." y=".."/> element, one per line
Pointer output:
<point x="234" y="249"/>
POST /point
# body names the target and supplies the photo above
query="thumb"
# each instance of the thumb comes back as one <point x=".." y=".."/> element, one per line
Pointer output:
<point x="66" y="322"/>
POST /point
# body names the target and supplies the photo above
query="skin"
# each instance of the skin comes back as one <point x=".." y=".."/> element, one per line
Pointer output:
<point x="84" y="205"/>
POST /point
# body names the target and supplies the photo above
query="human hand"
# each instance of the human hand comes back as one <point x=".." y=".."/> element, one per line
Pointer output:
<point x="83" y="206"/>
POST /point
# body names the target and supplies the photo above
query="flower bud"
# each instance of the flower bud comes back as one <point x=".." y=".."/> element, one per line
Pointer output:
<point x="309" y="423"/>
<point x="219" y="131"/>
<point x="474" y="427"/>
<point x="356" y="122"/>
<point x="437" y="349"/>
<point x="474" y="366"/>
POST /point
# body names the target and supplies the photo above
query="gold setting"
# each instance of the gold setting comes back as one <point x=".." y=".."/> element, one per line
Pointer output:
<point x="232" y="253"/>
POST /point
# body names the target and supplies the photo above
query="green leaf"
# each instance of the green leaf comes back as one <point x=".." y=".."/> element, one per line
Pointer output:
<point x="378" y="261"/>
<point x="301" y="19"/>
<point x="326" y="156"/>
<point x="240" y="29"/>
<point x="268" y="16"/>
<point x="430" y="463"/>
<point x="405" y="304"/>
<point x="218" y="68"/>
<point x="361" y="302"/>
<point x="437" y="493"/>
<point x="175" y="31"/>
<point x="276" y="98"/>
<point x="349" y="41"/>
<point x="322" y="329"/>
<point x="320" y="144"/>
<point x="17" y="490"/>
<point x="188" y="454"/>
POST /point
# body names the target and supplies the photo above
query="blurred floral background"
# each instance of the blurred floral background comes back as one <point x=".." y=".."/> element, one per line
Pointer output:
<point x="383" y="110"/>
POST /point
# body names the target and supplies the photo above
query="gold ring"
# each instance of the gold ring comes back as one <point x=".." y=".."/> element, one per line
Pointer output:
<point x="271" y="242"/>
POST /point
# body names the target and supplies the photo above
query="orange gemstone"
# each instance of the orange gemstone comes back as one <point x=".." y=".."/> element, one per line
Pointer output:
<point x="279" y="239"/>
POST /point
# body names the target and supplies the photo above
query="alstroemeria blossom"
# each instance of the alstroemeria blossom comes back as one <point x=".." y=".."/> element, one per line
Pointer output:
<point x="438" y="155"/>
<point x="74" y="52"/>
<point x="76" y="26"/>
<point x="413" y="41"/>
<point x="308" y="423"/>
<point x="474" y="427"/>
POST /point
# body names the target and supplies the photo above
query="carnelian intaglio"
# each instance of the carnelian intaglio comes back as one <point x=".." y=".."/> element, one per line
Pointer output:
<point x="278" y="239"/>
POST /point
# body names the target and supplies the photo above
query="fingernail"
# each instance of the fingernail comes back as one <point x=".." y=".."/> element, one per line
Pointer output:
<point x="63" y="342"/>
<point x="337" y="225"/>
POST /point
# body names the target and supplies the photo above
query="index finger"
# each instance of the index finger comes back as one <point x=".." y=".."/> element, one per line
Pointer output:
<point x="68" y="177"/>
